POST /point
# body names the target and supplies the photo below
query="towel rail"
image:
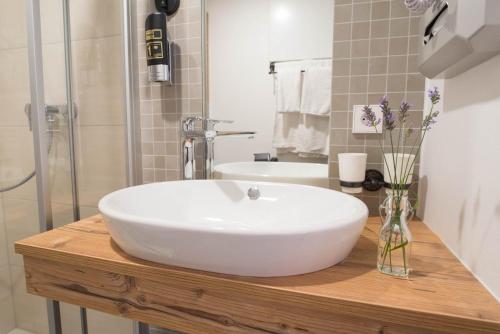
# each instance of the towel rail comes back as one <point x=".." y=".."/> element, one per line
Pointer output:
<point x="272" y="67"/>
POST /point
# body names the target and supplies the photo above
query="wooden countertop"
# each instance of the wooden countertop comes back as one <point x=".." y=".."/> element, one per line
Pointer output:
<point x="80" y="264"/>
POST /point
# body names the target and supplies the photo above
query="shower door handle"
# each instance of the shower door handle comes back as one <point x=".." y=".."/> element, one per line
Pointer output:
<point x="50" y="112"/>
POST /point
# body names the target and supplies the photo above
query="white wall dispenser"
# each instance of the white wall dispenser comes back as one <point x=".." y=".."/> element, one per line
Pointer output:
<point x="457" y="35"/>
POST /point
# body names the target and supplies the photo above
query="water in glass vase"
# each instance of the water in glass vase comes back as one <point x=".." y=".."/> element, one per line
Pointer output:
<point x="395" y="239"/>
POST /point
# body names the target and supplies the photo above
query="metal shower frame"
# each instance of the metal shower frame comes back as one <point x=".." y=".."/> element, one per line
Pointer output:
<point x="133" y="152"/>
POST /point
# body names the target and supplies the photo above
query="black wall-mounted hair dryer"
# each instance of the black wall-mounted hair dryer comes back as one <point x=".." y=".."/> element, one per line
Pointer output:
<point x="158" y="48"/>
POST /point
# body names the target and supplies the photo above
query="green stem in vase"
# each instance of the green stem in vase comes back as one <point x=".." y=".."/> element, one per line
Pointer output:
<point x="404" y="254"/>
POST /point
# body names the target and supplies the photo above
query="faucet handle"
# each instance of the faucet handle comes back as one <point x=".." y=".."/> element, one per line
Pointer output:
<point x="210" y="123"/>
<point x="188" y="123"/>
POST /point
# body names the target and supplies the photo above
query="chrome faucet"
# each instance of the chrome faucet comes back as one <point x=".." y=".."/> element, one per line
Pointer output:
<point x="207" y="135"/>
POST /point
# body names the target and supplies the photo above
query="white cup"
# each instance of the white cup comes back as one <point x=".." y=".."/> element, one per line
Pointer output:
<point x="403" y="163"/>
<point x="352" y="169"/>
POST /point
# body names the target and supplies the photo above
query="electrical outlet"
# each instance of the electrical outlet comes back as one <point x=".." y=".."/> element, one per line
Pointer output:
<point x="358" y="125"/>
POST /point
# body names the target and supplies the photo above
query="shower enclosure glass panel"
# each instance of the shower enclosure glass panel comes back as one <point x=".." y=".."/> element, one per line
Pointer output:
<point x="82" y="76"/>
<point x="18" y="207"/>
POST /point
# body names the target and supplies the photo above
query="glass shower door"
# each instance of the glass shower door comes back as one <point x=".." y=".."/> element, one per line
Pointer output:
<point x="61" y="111"/>
<point x="18" y="194"/>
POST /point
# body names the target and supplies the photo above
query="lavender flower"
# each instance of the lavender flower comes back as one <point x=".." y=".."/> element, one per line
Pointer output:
<point x="434" y="95"/>
<point x="403" y="111"/>
<point x="384" y="103"/>
<point x="389" y="119"/>
<point x="369" y="118"/>
<point x="429" y="120"/>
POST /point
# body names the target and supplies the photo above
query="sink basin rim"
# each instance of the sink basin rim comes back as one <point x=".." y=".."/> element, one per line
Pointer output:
<point x="324" y="224"/>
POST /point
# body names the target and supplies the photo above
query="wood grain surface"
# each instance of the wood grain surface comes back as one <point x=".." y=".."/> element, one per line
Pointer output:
<point x="80" y="264"/>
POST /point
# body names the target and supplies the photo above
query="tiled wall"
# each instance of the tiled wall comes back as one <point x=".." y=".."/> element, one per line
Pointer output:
<point x="375" y="51"/>
<point x="162" y="106"/>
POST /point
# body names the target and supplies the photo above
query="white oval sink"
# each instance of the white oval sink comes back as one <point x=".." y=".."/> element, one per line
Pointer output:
<point x="214" y="226"/>
<point x="283" y="172"/>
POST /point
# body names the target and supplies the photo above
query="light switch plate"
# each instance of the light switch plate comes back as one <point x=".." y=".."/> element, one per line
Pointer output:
<point x="357" y="119"/>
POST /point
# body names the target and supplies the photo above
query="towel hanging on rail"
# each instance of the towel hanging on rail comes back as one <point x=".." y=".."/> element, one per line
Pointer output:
<point x="288" y="88"/>
<point x="316" y="91"/>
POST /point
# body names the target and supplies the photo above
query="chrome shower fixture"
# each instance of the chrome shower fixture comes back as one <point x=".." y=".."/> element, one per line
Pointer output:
<point x="51" y="113"/>
<point x="418" y="6"/>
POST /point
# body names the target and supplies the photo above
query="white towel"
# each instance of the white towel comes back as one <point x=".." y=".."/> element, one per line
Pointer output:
<point x="316" y="91"/>
<point x="312" y="135"/>
<point x="306" y="135"/>
<point x="288" y="88"/>
<point x="286" y="126"/>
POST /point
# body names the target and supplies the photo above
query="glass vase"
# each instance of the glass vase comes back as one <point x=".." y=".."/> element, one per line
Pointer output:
<point x="395" y="239"/>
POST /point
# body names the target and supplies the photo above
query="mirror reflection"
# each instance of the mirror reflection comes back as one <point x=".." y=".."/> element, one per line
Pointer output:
<point x="268" y="71"/>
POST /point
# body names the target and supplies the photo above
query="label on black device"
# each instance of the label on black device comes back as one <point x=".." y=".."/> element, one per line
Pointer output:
<point x="156" y="39"/>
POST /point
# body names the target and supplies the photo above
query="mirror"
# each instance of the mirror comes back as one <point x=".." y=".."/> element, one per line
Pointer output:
<point x="268" y="69"/>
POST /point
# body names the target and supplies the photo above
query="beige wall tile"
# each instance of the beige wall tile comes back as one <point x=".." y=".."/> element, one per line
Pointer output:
<point x="357" y="98"/>
<point x="414" y="44"/>
<point x="380" y="29"/>
<point x="51" y="16"/>
<point x="16" y="146"/>
<point x="360" y="48"/>
<point x="359" y="66"/>
<point x="14" y="92"/>
<point x="361" y="11"/>
<point x="342" y="31"/>
<point x="341" y="67"/>
<point x="21" y="221"/>
<point x="397" y="64"/>
<point x="100" y="323"/>
<point x="380" y="10"/>
<point x="340" y="120"/>
<point x="396" y="83"/>
<point x="13" y="14"/>
<point x="378" y="65"/>
<point x="340" y="85"/>
<point x="70" y="318"/>
<point x="95" y="18"/>
<point x="341" y="50"/>
<point x="54" y="74"/>
<point x="98" y="84"/>
<point x="340" y="102"/>
<point x="359" y="84"/>
<point x="7" y="316"/>
<point x="398" y="9"/>
<point x="101" y="162"/>
<point x="415" y="82"/>
<point x="398" y="46"/>
<point x="412" y="64"/>
<point x="415" y="25"/>
<point x="343" y="13"/>
<point x="360" y="30"/>
<point x="377" y="83"/>
<point x="339" y="137"/>
<point x="31" y="310"/>
<point x="379" y="47"/>
<point x="399" y="27"/>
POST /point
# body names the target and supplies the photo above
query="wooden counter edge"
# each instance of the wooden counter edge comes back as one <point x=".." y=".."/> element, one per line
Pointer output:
<point x="386" y="316"/>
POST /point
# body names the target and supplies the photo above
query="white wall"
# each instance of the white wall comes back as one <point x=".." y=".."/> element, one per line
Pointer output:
<point x="300" y="29"/>
<point x="240" y="88"/>
<point x="243" y="37"/>
<point x="460" y="180"/>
